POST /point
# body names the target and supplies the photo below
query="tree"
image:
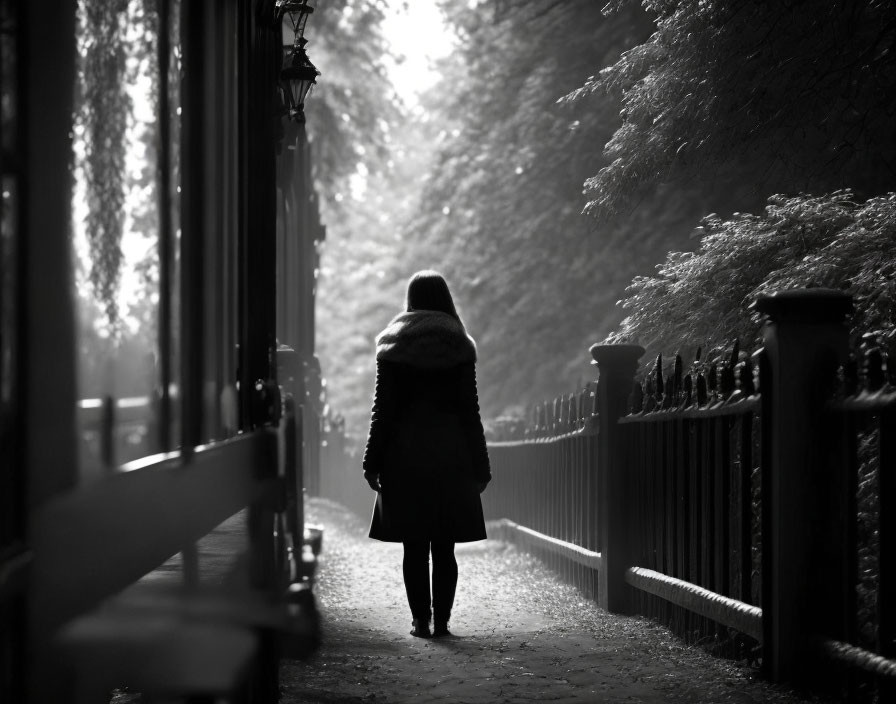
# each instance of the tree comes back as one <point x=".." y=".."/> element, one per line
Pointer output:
<point x="353" y="110"/>
<point x="114" y="168"/>
<point x="500" y="210"/>
<point x="797" y="95"/>
<point x="702" y="298"/>
<point x="102" y="117"/>
<point x="704" y="110"/>
<point x="365" y="154"/>
<point x="490" y="193"/>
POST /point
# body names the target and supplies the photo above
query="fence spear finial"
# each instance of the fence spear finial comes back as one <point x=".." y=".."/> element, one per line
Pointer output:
<point x="677" y="372"/>
<point x="702" y="395"/>
<point x="726" y="379"/>
<point x="735" y="354"/>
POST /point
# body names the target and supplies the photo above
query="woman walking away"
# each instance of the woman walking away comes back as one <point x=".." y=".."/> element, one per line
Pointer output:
<point x="426" y="456"/>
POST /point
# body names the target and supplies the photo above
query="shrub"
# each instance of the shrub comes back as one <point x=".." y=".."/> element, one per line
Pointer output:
<point x="703" y="298"/>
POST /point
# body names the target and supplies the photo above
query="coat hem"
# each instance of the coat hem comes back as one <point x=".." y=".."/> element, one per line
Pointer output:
<point x="453" y="540"/>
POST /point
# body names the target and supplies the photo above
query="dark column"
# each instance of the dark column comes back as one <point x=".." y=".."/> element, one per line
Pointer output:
<point x="617" y="365"/>
<point x="805" y="339"/>
<point x="195" y="93"/>
<point x="48" y="354"/>
<point x="46" y="322"/>
<point x="160" y="440"/>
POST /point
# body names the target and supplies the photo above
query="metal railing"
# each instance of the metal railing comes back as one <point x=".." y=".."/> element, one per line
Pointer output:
<point x="115" y="431"/>
<point x="863" y="417"/>
<point x="698" y="500"/>
<point x="341" y="479"/>
<point x="692" y="450"/>
<point x="544" y="488"/>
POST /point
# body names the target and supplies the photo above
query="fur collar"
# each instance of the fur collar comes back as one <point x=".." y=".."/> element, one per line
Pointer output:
<point x="425" y="338"/>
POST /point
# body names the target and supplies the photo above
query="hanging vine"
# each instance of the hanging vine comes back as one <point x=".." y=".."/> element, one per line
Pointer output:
<point x="105" y="108"/>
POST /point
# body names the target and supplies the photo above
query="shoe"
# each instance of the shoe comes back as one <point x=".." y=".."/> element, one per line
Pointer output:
<point x="441" y="629"/>
<point x="420" y="628"/>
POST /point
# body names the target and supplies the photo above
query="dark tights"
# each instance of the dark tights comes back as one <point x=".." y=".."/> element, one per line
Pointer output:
<point x="415" y="568"/>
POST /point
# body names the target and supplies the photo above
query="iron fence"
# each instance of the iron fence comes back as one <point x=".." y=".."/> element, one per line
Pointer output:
<point x="341" y="479"/>
<point x="863" y="416"/>
<point x="544" y="488"/>
<point x="749" y="501"/>
<point x="692" y="447"/>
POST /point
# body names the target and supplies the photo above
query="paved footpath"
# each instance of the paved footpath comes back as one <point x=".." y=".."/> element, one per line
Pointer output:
<point x="519" y="635"/>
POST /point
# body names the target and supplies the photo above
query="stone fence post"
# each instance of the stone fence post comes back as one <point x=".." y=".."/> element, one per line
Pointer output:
<point x="616" y="365"/>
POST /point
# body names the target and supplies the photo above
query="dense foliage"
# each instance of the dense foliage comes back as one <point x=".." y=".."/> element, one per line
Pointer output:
<point x="366" y="169"/>
<point x="114" y="200"/>
<point x="352" y="111"/>
<point x="500" y="209"/>
<point x="703" y="107"/>
<point x="361" y="284"/>
<point x="703" y="298"/>
<point x="102" y="117"/>
<point x="487" y="187"/>
<point x="795" y="95"/>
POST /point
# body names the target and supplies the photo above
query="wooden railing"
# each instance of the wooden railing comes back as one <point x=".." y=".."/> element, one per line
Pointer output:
<point x="92" y="543"/>
<point x="715" y="503"/>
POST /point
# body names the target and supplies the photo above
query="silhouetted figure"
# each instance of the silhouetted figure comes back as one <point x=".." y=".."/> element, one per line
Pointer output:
<point x="426" y="456"/>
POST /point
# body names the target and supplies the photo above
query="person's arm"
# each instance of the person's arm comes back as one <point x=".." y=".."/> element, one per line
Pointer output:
<point x="381" y="415"/>
<point x="473" y="424"/>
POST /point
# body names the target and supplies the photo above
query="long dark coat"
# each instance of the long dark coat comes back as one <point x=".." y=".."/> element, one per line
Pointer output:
<point x="426" y="444"/>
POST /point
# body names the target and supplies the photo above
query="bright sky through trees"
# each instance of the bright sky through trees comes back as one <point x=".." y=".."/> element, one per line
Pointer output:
<point x="418" y="36"/>
<point x="417" y="32"/>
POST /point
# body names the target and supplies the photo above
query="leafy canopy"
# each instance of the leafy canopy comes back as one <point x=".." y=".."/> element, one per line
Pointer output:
<point x="796" y="95"/>
<point x="352" y="111"/>
<point x="703" y="298"/>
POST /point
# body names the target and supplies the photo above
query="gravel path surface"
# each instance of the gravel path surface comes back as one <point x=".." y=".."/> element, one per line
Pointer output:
<point x="519" y="635"/>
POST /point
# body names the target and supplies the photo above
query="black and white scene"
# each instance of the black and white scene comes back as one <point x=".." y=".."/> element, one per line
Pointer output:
<point x="462" y="351"/>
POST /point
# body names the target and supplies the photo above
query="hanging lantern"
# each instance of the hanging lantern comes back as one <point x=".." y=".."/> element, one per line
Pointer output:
<point x="298" y="73"/>
<point x="296" y="78"/>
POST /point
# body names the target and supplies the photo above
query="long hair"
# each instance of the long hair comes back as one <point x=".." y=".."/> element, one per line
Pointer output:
<point x="428" y="290"/>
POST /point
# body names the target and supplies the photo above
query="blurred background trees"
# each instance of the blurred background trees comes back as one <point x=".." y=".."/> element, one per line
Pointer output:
<point x="661" y="112"/>
<point x="682" y="155"/>
<point x="491" y="166"/>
